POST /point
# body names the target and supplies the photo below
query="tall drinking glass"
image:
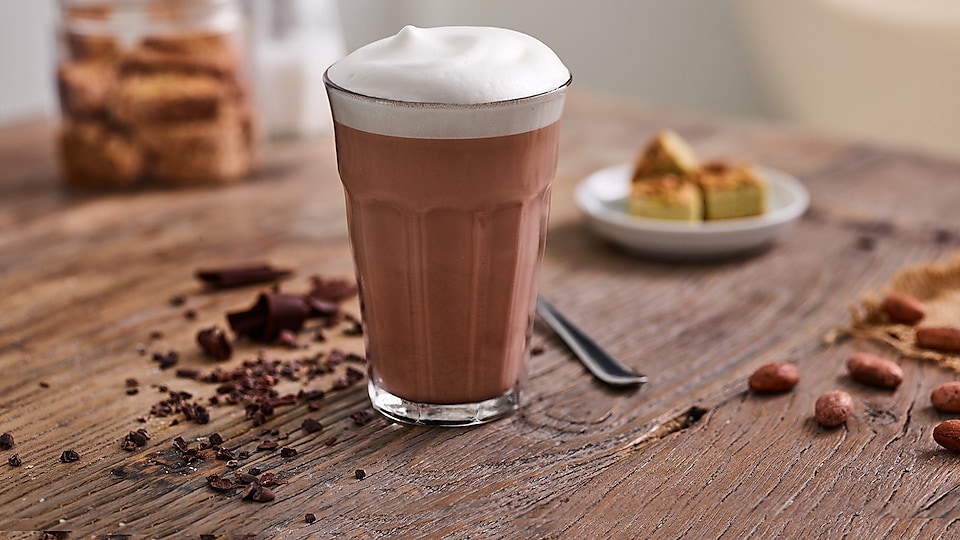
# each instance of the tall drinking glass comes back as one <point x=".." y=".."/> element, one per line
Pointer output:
<point x="447" y="207"/>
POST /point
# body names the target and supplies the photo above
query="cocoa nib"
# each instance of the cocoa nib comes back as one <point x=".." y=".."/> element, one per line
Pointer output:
<point x="214" y="343"/>
<point x="287" y="339"/>
<point x="238" y="276"/>
<point x="188" y="373"/>
<point x="219" y="484"/>
<point x="311" y="425"/>
<point x="166" y="360"/>
<point x="362" y="418"/>
<point x="309" y="518"/>
<point x="69" y="456"/>
<point x="178" y="300"/>
<point x="6" y="441"/>
<point x="257" y="493"/>
<point x="360" y="474"/>
<point x="267" y="445"/>
<point x="14" y="460"/>
<point x="286" y="451"/>
<point x="271" y="314"/>
<point x="135" y="439"/>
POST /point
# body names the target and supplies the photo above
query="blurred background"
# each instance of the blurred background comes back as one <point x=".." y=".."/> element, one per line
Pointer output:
<point x="881" y="70"/>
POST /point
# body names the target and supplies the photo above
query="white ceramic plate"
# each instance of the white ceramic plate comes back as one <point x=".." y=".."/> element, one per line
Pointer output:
<point x="602" y="198"/>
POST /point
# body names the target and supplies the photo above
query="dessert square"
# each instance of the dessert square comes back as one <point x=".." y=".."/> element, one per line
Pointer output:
<point x="667" y="197"/>
<point x="731" y="191"/>
<point x="666" y="153"/>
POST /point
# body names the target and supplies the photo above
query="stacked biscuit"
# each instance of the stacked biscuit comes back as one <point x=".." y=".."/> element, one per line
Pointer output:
<point x="173" y="109"/>
<point x="669" y="183"/>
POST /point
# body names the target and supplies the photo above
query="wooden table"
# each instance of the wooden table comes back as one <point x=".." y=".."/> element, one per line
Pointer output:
<point x="86" y="278"/>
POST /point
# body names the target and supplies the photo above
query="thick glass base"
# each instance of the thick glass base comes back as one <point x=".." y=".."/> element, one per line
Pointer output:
<point x="444" y="415"/>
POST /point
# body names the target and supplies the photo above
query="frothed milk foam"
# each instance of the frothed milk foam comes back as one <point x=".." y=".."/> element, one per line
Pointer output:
<point x="447" y="146"/>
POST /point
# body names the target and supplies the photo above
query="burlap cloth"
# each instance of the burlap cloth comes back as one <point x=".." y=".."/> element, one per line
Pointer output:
<point x="936" y="285"/>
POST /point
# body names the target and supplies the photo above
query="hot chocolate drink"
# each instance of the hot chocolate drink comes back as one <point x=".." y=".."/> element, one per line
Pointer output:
<point x="447" y="193"/>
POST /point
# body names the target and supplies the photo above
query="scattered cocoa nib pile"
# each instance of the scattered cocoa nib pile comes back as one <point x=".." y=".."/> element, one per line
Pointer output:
<point x="275" y="318"/>
<point x="834" y="408"/>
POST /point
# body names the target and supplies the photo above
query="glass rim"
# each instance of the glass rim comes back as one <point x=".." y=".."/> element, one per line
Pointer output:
<point x="439" y="105"/>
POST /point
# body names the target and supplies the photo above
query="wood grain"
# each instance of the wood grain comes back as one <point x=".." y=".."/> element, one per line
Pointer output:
<point x="85" y="278"/>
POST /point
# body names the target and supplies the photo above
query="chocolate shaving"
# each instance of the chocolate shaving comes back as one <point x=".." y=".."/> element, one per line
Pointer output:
<point x="271" y="314"/>
<point x="214" y="343"/>
<point x="69" y="456"/>
<point x="14" y="460"/>
<point x="225" y="454"/>
<point x="219" y="484"/>
<point x="320" y="308"/>
<point x="180" y="444"/>
<point x="238" y="276"/>
<point x="215" y="439"/>
<point x="6" y="441"/>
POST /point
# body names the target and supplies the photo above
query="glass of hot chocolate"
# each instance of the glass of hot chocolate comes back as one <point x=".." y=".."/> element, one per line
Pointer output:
<point x="447" y="146"/>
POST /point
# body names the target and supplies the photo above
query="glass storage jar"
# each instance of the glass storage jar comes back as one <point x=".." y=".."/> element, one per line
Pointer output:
<point x="155" y="91"/>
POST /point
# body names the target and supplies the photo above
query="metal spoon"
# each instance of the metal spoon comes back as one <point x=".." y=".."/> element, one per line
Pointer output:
<point x="603" y="366"/>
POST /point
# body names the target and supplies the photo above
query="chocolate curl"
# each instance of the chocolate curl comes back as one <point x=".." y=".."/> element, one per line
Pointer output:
<point x="272" y="313"/>
<point x="321" y="308"/>
<point x="238" y="276"/>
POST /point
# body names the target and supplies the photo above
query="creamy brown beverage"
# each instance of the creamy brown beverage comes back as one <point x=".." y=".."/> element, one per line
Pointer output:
<point x="447" y="195"/>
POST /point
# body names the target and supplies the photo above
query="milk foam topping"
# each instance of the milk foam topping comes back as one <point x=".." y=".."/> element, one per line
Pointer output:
<point x="456" y="64"/>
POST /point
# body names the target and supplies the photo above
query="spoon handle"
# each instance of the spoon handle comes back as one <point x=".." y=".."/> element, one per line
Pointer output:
<point x="597" y="361"/>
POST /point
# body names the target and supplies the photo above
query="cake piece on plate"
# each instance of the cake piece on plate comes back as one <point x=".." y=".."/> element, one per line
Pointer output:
<point x="667" y="197"/>
<point x="731" y="191"/>
<point x="666" y="153"/>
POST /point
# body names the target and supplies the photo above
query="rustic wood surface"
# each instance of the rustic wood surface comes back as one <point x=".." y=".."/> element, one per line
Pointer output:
<point x="85" y="279"/>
